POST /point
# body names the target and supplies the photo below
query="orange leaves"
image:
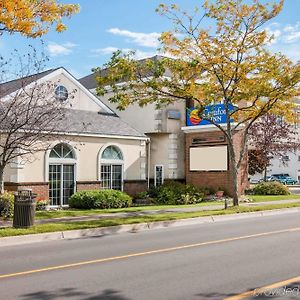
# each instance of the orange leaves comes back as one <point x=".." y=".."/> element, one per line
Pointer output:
<point x="33" y="18"/>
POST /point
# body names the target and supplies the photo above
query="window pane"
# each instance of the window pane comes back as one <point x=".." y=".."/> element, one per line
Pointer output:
<point x="158" y="175"/>
<point x="61" y="151"/>
<point x="111" y="176"/>
<point x="112" y="152"/>
<point x="54" y="184"/>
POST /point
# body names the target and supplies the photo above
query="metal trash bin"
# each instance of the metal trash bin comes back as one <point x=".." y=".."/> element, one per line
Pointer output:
<point x="24" y="209"/>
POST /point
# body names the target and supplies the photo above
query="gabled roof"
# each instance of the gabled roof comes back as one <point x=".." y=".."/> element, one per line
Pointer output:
<point x="89" y="81"/>
<point x="9" y="87"/>
<point x="103" y="123"/>
<point x="13" y="86"/>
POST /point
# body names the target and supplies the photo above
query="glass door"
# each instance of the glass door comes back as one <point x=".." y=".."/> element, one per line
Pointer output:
<point x="61" y="183"/>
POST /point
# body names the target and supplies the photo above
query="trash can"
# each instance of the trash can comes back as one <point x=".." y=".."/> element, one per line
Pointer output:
<point x="24" y="209"/>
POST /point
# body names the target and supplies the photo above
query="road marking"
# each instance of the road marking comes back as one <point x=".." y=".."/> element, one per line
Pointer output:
<point x="262" y="290"/>
<point x="163" y="250"/>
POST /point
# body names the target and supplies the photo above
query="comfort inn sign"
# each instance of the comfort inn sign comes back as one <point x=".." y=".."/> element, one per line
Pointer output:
<point x="216" y="112"/>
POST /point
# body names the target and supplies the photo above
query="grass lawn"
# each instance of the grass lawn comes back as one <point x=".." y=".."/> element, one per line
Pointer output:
<point x="90" y="212"/>
<point x="52" y="227"/>
<point x="77" y="213"/>
<point x="260" y="198"/>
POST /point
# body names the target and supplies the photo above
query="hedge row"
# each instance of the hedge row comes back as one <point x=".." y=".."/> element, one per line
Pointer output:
<point x="100" y="199"/>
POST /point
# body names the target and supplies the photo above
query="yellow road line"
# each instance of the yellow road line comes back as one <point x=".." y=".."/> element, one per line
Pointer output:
<point x="163" y="250"/>
<point x="262" y="290"/>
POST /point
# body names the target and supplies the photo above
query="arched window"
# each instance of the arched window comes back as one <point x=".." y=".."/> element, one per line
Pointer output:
<point x="112" y="152"/>
<point x="111" y="169"/>
<point x="62" y="163"/>
<point x="62" y="151"/>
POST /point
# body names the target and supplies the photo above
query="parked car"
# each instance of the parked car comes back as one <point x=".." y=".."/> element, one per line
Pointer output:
<point x="254" y="181"/>
<point x="285" y="178"/>
<point x="289" y="181"/>
<point x="268" y="178"/>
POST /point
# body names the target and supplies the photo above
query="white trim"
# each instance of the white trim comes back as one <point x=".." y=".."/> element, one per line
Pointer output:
<point x="162" y="175"/>
<point x="209" y="127"/>
<point x="110" y="136"/>
<point x="123" y="137"/>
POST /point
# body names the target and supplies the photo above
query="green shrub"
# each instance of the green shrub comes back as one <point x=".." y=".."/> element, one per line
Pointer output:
<point x="7" y="205"/>
<point x="100" y="199"/>
<point x="177" y="193"/>
<point x="271" y="188"/>
<point x="142" y="195"/>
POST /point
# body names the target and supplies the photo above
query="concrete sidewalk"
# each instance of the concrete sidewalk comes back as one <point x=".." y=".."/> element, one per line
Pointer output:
<point x="147" y="212"/>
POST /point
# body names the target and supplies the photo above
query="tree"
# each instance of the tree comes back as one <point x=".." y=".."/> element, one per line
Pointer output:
<point x="30" y="114"/>
<point x="33" y="18"/>
<point x="226" y="61"/>
<point x="272" y="137"/>
<point x="256" y="162"/>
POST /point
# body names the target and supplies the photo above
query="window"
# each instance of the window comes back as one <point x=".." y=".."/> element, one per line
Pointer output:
<point x="61" y="174"/>
<point x="112" y="168"/>
<point x="112" y="152"/>
<point x="61" y="93"/>
<point x="159" y="175"/>
<point x="285" y="158"/>
<point x="62" y="151"/>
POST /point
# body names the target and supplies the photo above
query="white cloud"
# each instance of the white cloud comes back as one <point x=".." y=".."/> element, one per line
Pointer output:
<point x="138" y="53"/>
<point x="275" y="33"/>
<point x="55" y="49"/>
<point x="104" y="51"/>
<point x="292" y="33"/>
<point x="287" y="34"/>
<point x="139" y="38"/>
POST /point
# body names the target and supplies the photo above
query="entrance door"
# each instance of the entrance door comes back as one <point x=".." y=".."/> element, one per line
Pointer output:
<point x="61" y="183"/>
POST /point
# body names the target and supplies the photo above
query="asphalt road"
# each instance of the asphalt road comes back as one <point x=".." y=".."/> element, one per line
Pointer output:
<point x="207" y="261"/>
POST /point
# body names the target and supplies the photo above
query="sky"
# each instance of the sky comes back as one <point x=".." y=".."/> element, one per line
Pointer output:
<point x="103" y="26"/>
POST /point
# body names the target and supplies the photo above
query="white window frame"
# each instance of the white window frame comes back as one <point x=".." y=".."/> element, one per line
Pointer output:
<point x="162" y="175"/>
<point x="112" y="163"/>
<point x="103" y="161"/>
<point x="61" y="162"/>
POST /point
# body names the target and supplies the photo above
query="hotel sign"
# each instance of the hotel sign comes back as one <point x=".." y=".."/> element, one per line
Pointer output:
<point x="216" y="112"/>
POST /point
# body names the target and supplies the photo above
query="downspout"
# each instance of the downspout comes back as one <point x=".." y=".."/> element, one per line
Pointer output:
<point x="148" y="163"/>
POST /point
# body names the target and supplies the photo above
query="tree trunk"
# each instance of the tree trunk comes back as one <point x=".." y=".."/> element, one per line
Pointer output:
<point x="234" y="174"/>
<point x="1" y="181"/>
<point x="235" y="195"/>
<point x="265" y="174"/>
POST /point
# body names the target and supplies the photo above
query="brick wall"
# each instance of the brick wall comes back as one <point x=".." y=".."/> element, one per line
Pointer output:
<point x="87" y="185"/>
<point x="39" y="188"/>
<point x="216" y="179"/>
<point x="132" y="187"/>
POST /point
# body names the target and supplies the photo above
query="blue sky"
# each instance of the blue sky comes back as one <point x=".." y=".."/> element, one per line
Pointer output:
<point x="103" y="26"/>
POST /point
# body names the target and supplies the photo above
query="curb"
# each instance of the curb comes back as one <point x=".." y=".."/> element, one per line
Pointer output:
<point x="134" y="228"/>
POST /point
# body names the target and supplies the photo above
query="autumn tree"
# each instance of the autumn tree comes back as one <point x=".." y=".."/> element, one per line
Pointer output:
<point x="30" y="113"/>
<point x="33" y="18"/>
<point x="223" y="60"/>
<point x="271" y="137"/>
